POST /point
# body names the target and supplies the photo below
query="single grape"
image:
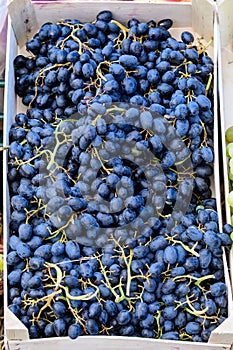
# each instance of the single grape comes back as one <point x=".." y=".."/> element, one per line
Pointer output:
<point x="229" y="134"/>
<point x="230" y="198"/>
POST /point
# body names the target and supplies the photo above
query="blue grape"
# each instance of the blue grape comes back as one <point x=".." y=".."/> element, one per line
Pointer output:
<point x="193" y="328"/>
<point x="59" y="309"/>
<point x="124" y="317"/>
<point x="60" y="327"/>
<point x="74" y="331"/>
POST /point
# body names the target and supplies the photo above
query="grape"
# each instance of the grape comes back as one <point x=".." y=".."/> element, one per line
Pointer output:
<point x="60" y="327"/>
<point x="205" y="258"/>
<point x="158" y="243"/>
<point x="140" y="252"/>
<point x="229" y="136"/>
<point x="86" y="270"/>
<point x="194" y="234"/>
<point x="170" y="255"/>
<point x="49" y="330"/>
<point x="59" y="309"/>
<point x="14" y="277"/>
<point x="19" y="203"/>
<point x="23" y="250"/>
<point x="170" y="335"/>
<point x="168" y="287"/>
<point x="58" y="248"/>
<point x="36" y="263"/>
<point x="224" y="238"/>
<point x="187" y="37"/>
<point x="128" y="61"/>
<point x="34" y="282"/>
<point x="44" y="251"/>
<point x="212" y="308"/>
<point x="147" y="322"/>
<point x="42" y="230"/>
<point x="74" y="331"/>
<point x="230" y="198"/>
<point x="191" y="264"/>
<point x="35" y="242"/>
<point x="218" y="289"/>
<point x="191" y="54"/>
<point x="182" y="290"/>
<point x="124" y="317"/>
<point x="111" y="308"/>
<point x="72" y="250"/>
<point x="169" y="313"/>
<point x="231" y="163"/>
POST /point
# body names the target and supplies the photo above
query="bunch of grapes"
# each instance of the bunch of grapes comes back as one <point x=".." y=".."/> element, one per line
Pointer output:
<point x="113" y="229"/>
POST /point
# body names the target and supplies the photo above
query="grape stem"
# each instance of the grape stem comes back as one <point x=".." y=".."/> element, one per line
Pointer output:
<point x="4" y="148"/>
<point x="204" y="48"/>
<point x="157" y="318"/>
<point x="122" y="27"/>
<point x="198" y="280"/>
<point x="187" y="248"/>
<point x="55" y="233"/>
<point x="208" y="84"/>
<point x="40" y="75"/>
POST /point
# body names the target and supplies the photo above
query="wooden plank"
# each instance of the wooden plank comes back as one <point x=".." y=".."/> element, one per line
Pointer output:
<point x="225" y="83"/>
<point x="203" y="17"/>
<point x="216" y="133"/>
<point x="15" y="329"/>
<point x="123" y="11"/>
<point x="226" y="23"/>
<point x="23" y="20"/>
<point x="9" y="112"/>
<point x="228" y="283"/>
<point x="224" y="331"/>
<point x="111" y="343"/>
<point x="225" y="88"/>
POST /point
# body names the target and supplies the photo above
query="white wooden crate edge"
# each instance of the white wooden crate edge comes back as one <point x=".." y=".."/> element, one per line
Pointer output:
<point x="225" y="83"/>
<point x="113" y="343"/>
<point x="184" y="15"/>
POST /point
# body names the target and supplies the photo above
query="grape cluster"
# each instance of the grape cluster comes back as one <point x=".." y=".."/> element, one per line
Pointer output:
<point x="113" y="229"/>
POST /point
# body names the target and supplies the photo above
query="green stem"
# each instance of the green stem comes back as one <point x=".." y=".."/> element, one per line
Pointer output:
<point x="107" y="279"/>
<point x="190" y="250"/>
<point x="58" y="144"/>
<point x="58" y="272"/>
<point x="122" y="27"/>
<point x="208" y="84"/>
<point x="203" y="49"/>
<point x="4" y="148"/>
<point x="204" y="278"/>
<point x="55" y="233"/>
<point x="129" y="278"/>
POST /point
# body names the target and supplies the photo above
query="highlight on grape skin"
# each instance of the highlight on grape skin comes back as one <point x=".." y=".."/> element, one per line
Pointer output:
<point x="156" y="272"/>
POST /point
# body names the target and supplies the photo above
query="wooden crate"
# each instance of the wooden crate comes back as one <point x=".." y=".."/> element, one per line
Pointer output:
<point x="24" y="20"/>
<point x="225" y="82"/>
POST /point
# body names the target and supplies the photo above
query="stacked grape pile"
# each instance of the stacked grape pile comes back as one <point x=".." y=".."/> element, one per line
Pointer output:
<point x="113" y="228"/>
